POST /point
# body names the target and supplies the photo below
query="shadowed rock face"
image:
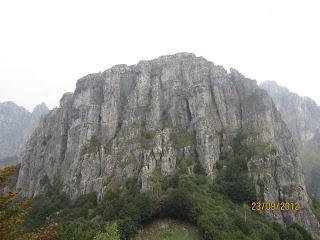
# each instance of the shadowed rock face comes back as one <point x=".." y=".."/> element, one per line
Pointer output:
<point x="302" y="116"/>
<point x="141" y="119"/>
<point x="16" y="125"/>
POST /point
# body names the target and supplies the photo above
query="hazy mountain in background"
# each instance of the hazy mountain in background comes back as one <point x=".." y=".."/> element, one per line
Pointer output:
<point x="173" y="113"/>
<point x="16" y="126"/>
<point x="302" y="116"/>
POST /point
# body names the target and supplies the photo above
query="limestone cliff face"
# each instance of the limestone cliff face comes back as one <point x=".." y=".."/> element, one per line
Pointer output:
<point x="142" y="119"/>
<point x="302" y="116"/>
<point x="16" y="125"/>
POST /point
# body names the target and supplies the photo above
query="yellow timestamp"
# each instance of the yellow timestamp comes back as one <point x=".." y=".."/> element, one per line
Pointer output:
<point x="275" y="206"/>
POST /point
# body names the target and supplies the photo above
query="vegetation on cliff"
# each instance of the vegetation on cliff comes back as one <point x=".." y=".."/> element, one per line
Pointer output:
<point x="219" y="209"/>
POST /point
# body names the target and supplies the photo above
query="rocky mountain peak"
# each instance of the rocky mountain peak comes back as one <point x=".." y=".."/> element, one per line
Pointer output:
<point x="40" y="109"/>
<point x="141" y="120"/>
<point x="16" y="125"/>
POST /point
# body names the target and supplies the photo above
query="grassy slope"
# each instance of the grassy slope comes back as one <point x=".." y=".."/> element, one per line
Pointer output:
<point x="169" y="229"/>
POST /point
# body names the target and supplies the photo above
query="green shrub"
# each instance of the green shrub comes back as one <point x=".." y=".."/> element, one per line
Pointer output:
<point x="44" y="206"/>
<point x="271" y="236"/>
<point x="279" y="228"/>
<point x="294" y="234"/>
<point x="80" y="229"/>
<point x="128" y="207"/>
<point x="304" y="233"/>
<point x="110" y="233"/>
<point x="233" y="180"/>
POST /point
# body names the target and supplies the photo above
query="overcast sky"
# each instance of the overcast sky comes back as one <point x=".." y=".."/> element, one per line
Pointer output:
<point x="45" y="46"/>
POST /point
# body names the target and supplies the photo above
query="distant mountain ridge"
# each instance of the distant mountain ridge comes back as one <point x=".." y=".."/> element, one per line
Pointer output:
<point x="302" y="116"/>
<point x="16" y="126"/>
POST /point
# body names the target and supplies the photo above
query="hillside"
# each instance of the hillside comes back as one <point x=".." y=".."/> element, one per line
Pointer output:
<point x="168" y="229"/>
<point x="174" y="114"/>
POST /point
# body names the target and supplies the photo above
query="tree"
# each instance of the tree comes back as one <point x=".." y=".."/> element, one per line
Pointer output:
<point x="13" y="212"/>
<point x="111" y="233"/>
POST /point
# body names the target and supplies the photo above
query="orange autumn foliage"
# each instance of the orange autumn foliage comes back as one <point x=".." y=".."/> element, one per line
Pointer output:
<point x="13" y="213"/>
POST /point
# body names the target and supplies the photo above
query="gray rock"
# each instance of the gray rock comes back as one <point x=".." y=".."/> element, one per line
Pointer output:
<point x="16" y="125"/>
<point x="140" y="120"/>
<point x="301" y="114"/>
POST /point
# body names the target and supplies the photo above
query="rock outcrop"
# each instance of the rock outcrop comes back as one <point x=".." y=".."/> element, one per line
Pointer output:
<point x="16" y="126"/>
<point x="302" y="116"/>
<point x="143" y="119"/>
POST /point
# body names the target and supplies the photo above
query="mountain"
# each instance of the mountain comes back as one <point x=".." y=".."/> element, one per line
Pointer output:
<point x="144" y="120"/>
<point x="16" y="125"/>
<point x="302" y="116"/>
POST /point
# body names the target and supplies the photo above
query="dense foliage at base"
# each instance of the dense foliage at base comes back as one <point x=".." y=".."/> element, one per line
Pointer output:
<point x="220" y="209"/>
<point x="123" y="212"/>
